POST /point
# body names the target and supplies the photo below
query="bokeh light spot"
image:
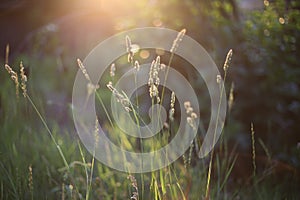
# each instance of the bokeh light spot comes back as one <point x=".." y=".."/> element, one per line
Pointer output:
<point x="281" y="20"/>
<point x="266" y="3"/>
<point x="157" y="22"/>
<point x="144" y="54"/>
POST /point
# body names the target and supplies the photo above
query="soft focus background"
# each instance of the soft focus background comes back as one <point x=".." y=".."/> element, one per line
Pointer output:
<point x="48" y="36"/>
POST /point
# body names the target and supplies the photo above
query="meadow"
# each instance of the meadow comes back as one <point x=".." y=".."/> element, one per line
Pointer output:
<point x="256" y="156"/>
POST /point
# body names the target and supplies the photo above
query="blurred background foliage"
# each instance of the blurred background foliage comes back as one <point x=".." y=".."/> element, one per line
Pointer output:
<point x="264" y="35"/>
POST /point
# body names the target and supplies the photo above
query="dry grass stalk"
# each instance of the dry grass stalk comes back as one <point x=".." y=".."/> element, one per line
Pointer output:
<point x="172" y="105"/>
<point x="129" y="49"/>
<point x="135" y="194"/>
<point x="112" y="70"/>
<point x="192" y="116"/>
<point x="225" y="68"/>
<point x="14" y="77"/>
<point x="96" y="132"/>
<point x="120" y="97"/>
<point x="30" y="179"/>
<point x="136" y="66"/>
<point x="177" y="40"/>
<point x="83" y="70"/>
<point x="228" y="60"/>
<point x="23" y="79"/>
<point x="253" y="149"/>
<point x="90" y="86"/>
<point x="153" y="81"/>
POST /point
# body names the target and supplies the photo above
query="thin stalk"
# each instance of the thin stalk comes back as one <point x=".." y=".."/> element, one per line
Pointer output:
<point x="104" y="108"/>
<point x="142" y="150"/>
<point x="253" y="150"/>
<point x="52" y="137"/>
<point x="138" y="123"/>
<point x="10" y="180"/>
<point x="91" y="174"/>
<point x="214" y="138"/>
<point x="50" y="133"/>
<point x="166" y="77"/>
<point x="181" y="192"/>
<point x="228" y="173"/>
<point x="85" y="169"/>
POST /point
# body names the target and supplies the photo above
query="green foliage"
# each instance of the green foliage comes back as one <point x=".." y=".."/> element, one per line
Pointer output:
<point x="272" y="43"/>
<point x="266" y="68"/>
<point x="265" y="72"/>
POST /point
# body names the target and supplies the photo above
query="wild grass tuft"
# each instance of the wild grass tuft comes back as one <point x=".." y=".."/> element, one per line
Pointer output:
<point x="225" y="68"/>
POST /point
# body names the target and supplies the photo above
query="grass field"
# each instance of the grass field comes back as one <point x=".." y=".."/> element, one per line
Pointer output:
<point x="42" y="157"/>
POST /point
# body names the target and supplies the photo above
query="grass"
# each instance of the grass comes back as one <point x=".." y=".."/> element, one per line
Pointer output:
<point x="42" y="160"/>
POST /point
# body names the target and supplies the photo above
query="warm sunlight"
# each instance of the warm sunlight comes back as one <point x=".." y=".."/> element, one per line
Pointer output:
<point x="149" y="99"/>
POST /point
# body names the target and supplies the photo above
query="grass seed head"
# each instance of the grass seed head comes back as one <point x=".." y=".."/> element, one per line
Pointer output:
<point x="83" y="70"/>
<point x="173" y="99"/>
<point x="129" y="49"/>
<point x="228" y="60"/>
<point x="14" y="77"/>
<point x="189" y="110"/>
<point x="128" y="44"/>
<point x="177" y="40"/>
<point x="91" y="88"/>
<point x="162" y="67"/>
<point x="153" y="91"/>
<point x="190" y="121"/>
<point x="171" y="114"/>
<point x="172" y="105"/>
<point x="23" y="79"/>
<point x="30" y="179"/>
<point x="96" y="132"/>
<point x="154" y="80"/>
<point x="120" y="97"/>
<point x="192" y="116"/>
<point x="135" y="194"/>
<point x="136" y="66"/>
<point x="219" y="78"/>
<point x="187" y="104"/>
<point x="112" y="70"/>
<point x="157" y="62"/>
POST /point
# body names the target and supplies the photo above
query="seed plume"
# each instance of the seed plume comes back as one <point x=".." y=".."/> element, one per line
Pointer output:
<point x="90" y="86"/>
<point x="192" y="116"/>
<point x="177" y="40"/>
<point x="83" y="70"/>
<point x="23" y="79"/>
<point x="153" y="81"/>
<point x="172" y="105"/>
<point x="120" y="97"/>
<point x="112" y="70"/>
<point x="228" y="60"/>
<point x="133" y="181"/>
